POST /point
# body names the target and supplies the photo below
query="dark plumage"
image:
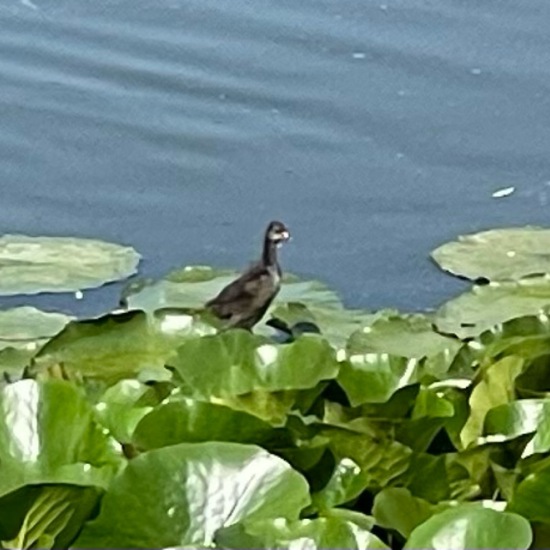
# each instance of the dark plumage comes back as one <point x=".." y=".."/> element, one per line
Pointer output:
<point x="244" y="301"/>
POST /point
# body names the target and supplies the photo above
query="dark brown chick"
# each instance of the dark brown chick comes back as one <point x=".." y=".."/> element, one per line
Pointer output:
<point x="244" y="301"/>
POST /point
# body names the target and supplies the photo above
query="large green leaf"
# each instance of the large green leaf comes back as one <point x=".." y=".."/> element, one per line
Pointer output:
<point x="181" y="495"/>
<point x="498" y="254"/>
<point x="495" y="387"/>
<point x="471" y="526"/>
<point x="531" y="498"/>
<point x="29" y="265"/>
<point x="120" y="345"/>
<point x="237" y="362"/>
<point x="374" y="377"/>
<point x="190" y="421"/>
<point x="123" y="405"/>
<point x="316" y="534"/>
<point x="345" y="484"/>
<point x="392" y="353"/>
<point x="519" y="418"/>
<point x="395" y="508"/>
<point x="48" y="435"/>
<point x="527" y="337"/>
<point x="410" y="336"/>
<point x="484" y="306"/>
<point x="428" y="477"/>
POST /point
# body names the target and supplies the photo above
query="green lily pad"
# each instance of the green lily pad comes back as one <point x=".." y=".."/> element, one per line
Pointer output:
<point x="237" y="362"/>
<point x="519" y="418"/>
<point x="471" y="526"/>
<point x="499" y="254"/>
<point x="316" y="534"/>
<point x="392" y="353"/>
<point x="531" y="498"/>
<point x="190" y="421"/>
<point x="23" y="331"/>
<point x="123" y="405"/>
<point x="410" y="336"/>
<point x="121" y="345"/>
<point x="183" y="494"/>
<point x="527" y="337"/>
<point x="395" y="508"/>
<point x="496" y="387"/>
<point x="48" y="435"/>
<point x="29" y="265"/>
<point x="344" y="485"/>
<point x="484" y="306"/>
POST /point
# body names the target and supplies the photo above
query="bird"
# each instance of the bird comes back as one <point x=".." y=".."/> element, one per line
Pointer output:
<point x="244" y="301"/>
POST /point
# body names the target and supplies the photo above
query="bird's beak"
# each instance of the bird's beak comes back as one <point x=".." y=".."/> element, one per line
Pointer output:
<point x="285" y="235"/>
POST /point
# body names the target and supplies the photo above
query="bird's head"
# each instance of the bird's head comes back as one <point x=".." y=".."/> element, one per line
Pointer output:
<point x="277" y="232"/>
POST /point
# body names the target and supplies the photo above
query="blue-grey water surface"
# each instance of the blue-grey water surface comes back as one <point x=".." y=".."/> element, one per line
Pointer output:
<point x="376" y="129"/>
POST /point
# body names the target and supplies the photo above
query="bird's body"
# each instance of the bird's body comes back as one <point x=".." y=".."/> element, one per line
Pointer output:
<point x="244" y="301"/>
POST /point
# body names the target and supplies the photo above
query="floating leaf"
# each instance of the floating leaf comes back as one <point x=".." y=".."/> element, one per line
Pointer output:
<point x="29" y="265"/>
<point x="472" y="526"/>
<point x="498" y="254"/>
<point x="487" y="305"/>
<point x="24" y="326"/>
<point x="183" y="494"/>
<point x="410" y="336"/>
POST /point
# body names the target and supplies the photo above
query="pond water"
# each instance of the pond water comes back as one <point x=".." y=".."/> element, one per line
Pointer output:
<point x="376" y="129"/>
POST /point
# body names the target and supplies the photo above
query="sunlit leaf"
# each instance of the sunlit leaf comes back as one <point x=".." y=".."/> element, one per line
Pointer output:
<point x="123" y="405"/>
<point x="121" y="345"/>
<point x="316" y="534"/>
<point x="29" y="265"/>
<point x="484" y="306"/>
<point x="237" y="362"/>
<point x="187" y="420"/>
<point x="395" y="508"/>
<point x="48" y="435"/>
<point x="498" y="254"/>
<point x="495" y="387"/>
<point x="183" y="494"/>
<point x="470" y="526"/>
